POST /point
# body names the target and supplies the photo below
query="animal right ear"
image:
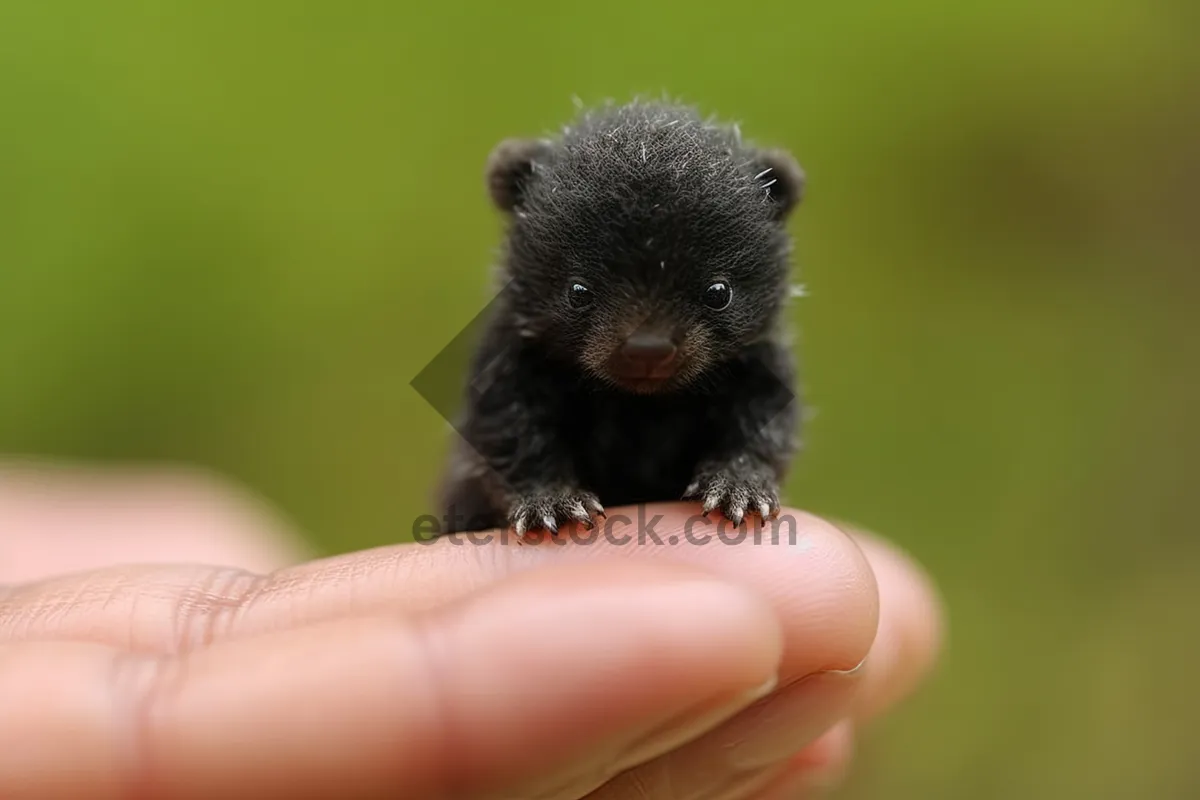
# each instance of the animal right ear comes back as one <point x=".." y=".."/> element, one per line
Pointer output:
<point x="509" y="169"/>
<point x="782" y="179"/>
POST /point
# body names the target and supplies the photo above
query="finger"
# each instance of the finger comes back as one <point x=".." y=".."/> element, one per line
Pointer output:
<point x="533" y="689"/>
<point x="62" y="519"/>
<point x="816" y="578"/>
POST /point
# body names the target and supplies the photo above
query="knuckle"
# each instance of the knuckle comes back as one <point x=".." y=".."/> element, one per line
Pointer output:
<point x="210" y="608"/>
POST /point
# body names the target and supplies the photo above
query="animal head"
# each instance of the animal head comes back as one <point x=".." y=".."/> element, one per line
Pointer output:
<point x="645" y="243"/>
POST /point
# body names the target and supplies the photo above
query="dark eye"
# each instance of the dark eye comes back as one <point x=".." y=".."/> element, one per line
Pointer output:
<point x="579" y="295"/>
<point x="718" y="296"/>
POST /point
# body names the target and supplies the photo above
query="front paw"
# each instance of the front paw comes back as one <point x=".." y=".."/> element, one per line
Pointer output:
<point x="735" y="490"/>
<point x="546" y="509"/>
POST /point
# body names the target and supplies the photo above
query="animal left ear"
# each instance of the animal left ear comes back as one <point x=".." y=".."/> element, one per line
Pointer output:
<point x="510" y="168"/>
<point x="783" y="181"/>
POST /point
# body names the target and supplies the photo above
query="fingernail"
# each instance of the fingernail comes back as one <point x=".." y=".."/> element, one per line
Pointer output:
<point x="694" y="722"/>
<point x="794" y="717"/>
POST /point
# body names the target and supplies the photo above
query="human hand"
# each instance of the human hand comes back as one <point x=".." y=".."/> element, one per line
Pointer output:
<point x="425" y="671"/>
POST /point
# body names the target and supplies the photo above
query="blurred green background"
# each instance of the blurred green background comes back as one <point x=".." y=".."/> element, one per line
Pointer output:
<point x="231" y="234"/>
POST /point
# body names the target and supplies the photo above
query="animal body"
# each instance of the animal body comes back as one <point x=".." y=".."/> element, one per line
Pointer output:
<point x="638" y="351"/>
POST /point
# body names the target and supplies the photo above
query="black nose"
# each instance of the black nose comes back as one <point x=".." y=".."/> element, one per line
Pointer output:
<point x="648" y="349"/>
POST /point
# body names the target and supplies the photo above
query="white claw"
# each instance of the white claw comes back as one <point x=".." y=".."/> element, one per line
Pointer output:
<point x="764" y="510"/>
<point x="550" y="524"/>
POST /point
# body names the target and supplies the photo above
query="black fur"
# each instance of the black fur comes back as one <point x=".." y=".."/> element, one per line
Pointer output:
<point x="646" y="205"/>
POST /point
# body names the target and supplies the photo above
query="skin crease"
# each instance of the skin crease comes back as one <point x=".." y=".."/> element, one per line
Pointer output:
<point x="642" y="222"/>
<point x="434" y="671"/>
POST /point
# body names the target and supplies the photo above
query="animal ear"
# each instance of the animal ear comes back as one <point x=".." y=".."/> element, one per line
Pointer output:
<point x="782" y="179"/>
<point x="509" y="168"/>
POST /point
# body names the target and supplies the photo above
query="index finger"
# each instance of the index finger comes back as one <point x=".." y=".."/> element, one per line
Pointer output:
<point x="816" y="578"/>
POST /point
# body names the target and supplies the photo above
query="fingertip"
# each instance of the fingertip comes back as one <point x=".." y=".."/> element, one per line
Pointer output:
<point x="850" y="581"/>
<point x="817" y="580"/>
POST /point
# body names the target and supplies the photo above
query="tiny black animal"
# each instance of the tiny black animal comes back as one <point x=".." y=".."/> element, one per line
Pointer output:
<point x="638" y="351"/>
